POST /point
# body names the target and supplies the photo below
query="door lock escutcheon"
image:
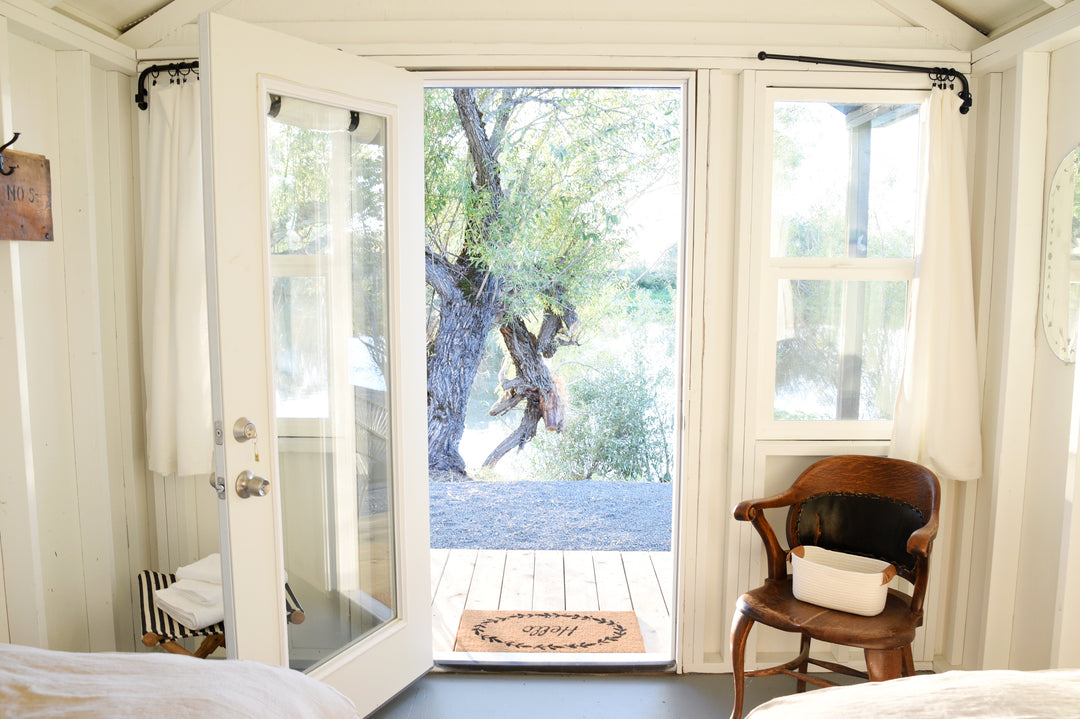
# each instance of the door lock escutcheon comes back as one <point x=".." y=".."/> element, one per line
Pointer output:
<point x="243" y="430"/>
<point x="249" y="484"/>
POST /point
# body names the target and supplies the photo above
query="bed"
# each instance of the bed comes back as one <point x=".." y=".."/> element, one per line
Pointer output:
<point x="42" y="683"/>
<point x="1000" y="694"/>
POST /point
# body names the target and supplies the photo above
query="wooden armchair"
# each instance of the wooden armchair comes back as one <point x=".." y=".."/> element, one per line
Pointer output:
<point x="870" y="506"/>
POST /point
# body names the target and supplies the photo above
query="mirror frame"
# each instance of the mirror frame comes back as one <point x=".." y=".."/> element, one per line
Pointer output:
<point x="1059" y="316"/>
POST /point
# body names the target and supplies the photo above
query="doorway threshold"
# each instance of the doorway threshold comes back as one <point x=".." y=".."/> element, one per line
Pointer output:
<point x="553" y="580"/>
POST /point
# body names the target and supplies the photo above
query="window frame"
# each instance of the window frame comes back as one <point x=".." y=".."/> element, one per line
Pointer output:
<point x="766" y="270"/>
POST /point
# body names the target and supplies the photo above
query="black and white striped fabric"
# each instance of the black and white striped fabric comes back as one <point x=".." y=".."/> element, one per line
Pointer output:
<point x="156" y="621"/>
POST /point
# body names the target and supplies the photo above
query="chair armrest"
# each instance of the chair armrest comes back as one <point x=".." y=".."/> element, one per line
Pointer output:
<point x="752" y="511"/>
<point x="919" y="544"/>
<point x="920" y="540"/>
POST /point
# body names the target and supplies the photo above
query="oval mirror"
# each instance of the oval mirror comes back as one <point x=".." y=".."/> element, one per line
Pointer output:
<point x="1061" y="259"/>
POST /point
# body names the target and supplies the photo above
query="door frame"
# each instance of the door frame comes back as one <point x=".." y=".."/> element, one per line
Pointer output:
<point x="687" y="320"/>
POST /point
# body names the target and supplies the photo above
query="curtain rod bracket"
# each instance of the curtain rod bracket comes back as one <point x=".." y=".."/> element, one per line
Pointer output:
<point x="940" y="76"/>
<point x="177" y="71"/>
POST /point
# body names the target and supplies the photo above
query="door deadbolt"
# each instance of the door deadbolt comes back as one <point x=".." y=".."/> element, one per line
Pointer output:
<point x="250" y="484"/>
<point x="243" y="430"/>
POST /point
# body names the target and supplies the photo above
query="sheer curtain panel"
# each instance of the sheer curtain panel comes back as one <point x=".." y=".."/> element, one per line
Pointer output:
<point x="176" y="365"/>
<point x="937" y="417"/>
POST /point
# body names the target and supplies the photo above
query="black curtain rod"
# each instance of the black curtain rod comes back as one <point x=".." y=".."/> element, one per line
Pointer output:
<point x="939" y="75"/>
<point x="175" y="70"/>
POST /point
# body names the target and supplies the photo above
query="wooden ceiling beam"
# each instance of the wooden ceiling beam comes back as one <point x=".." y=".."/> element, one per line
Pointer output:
<point x="169" y="18"/>
<point x="928" y="14"/>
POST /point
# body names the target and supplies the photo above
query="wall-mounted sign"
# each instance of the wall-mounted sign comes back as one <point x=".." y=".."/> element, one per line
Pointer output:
<point x="26" y="198"/>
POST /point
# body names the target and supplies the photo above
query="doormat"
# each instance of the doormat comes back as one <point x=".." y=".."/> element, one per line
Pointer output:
<point x="536" y="631"/>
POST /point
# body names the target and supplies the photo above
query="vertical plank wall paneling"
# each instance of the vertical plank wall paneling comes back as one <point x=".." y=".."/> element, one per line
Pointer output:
<point x="23" y="612"/>
<point x="77" y="184"/>
<point x="80" y="337"/>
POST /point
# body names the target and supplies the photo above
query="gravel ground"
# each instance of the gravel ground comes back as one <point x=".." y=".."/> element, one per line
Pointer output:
<point x="585" y="515"/>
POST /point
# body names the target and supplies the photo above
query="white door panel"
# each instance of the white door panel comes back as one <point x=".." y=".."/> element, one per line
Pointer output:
<point x="317" y="332"/>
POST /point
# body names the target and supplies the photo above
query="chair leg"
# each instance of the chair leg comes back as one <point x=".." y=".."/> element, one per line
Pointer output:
<point x="209" y="645"/>
<point x="884" y="664"/>
<point x="804" y="655"/>
<point x="740" y="628"/>
<point x="909" y="662"/>
<point x="174" y="648"/>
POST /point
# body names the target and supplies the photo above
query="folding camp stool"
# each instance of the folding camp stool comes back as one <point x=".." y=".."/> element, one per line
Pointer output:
<point x="161" y="629"/>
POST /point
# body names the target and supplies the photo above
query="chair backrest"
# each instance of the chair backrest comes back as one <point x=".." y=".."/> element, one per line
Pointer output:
<point x="864" y="505"/>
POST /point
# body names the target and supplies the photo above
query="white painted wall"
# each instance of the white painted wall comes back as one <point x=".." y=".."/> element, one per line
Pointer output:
<point x="77" y="319"/>
<point x="1036" y="591"/>
<point x="1063" y="134"/>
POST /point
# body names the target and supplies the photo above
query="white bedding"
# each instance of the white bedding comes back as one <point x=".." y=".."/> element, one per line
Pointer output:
<point x="952" y="695"/>
<point x="41" y="683"/>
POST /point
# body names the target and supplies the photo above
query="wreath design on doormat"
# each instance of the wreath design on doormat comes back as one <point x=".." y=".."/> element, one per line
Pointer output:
<point x="485" y="631"/>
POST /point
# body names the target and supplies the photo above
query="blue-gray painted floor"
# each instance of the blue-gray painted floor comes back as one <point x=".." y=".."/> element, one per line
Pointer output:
<point x="444" y="695"/>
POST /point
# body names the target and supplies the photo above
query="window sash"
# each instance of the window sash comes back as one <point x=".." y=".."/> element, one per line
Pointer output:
<point x="769" y="270"/>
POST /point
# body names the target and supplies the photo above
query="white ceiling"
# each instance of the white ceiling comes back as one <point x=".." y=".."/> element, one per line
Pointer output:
<point x="989" y="17"/>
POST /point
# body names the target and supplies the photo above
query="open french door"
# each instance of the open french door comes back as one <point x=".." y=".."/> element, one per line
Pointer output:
<point x="313" y="184"/>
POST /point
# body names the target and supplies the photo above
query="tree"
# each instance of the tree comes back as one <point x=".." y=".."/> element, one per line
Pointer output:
<point x="525" y="191"/>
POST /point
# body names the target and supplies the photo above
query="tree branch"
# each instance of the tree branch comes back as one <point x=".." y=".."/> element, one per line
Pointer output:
<point x="520" y="436"/>
<point x="440" y="276"/>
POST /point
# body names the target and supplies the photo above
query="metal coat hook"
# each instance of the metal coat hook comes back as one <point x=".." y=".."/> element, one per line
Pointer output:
<point x="5" y="171"/>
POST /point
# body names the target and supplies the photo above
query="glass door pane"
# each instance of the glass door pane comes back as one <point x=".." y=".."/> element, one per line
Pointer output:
<point x="326" y="185"/>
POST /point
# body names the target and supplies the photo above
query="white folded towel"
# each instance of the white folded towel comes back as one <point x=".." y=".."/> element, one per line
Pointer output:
<point x="192" y="614"/>
<point x="204" y="593"/>
<point x="207" y="569"/>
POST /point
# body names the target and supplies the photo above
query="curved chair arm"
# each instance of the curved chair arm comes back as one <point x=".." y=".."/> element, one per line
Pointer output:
<point x="751" y="511"/>
<point x="920" y="540"/>
<point x="919" y="544"/>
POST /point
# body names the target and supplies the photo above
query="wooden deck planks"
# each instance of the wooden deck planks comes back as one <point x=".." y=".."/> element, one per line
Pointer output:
<point x="611" y="587"/>
<point x="580" y="582"/>
<point x="487" y="580"/>
<point x="647" y="598"/>
<point x="665" y="573"/>
<point x="438" y="563"/>
<point x="449" y="600"/>
<point x="517" y="590"/>
<point x="550" y="580"/>
<point x="548" y="587"/>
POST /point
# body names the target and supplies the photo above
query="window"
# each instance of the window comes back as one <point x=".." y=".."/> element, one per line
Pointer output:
<point x="840" y="204"/>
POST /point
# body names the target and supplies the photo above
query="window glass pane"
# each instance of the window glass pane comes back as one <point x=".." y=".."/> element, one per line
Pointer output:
<point x="845" y="179"/>
<point x="299" y="183"/>
<point x="301" y="379"/>
<point x="839" y="349"/>
<point x="327" y="170"/>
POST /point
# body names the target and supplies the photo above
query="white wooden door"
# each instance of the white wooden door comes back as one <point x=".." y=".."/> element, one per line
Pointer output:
<point x="314" y="215"/>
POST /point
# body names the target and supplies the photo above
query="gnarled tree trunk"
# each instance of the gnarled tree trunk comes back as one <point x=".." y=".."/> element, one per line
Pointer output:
<point x="535" y="384"/>
<point x="469" y="302"/>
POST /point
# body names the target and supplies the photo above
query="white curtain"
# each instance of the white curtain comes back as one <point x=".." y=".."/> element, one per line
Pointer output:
<point x="937" y="417"/>
<point x="176" y="365"/>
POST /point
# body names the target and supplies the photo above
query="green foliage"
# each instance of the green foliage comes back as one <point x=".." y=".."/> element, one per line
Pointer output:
<point x="571" y="161"/>
<point x="299" y="172"/>
<point x="620" y="427"/>
<point x="621" y="390"/>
